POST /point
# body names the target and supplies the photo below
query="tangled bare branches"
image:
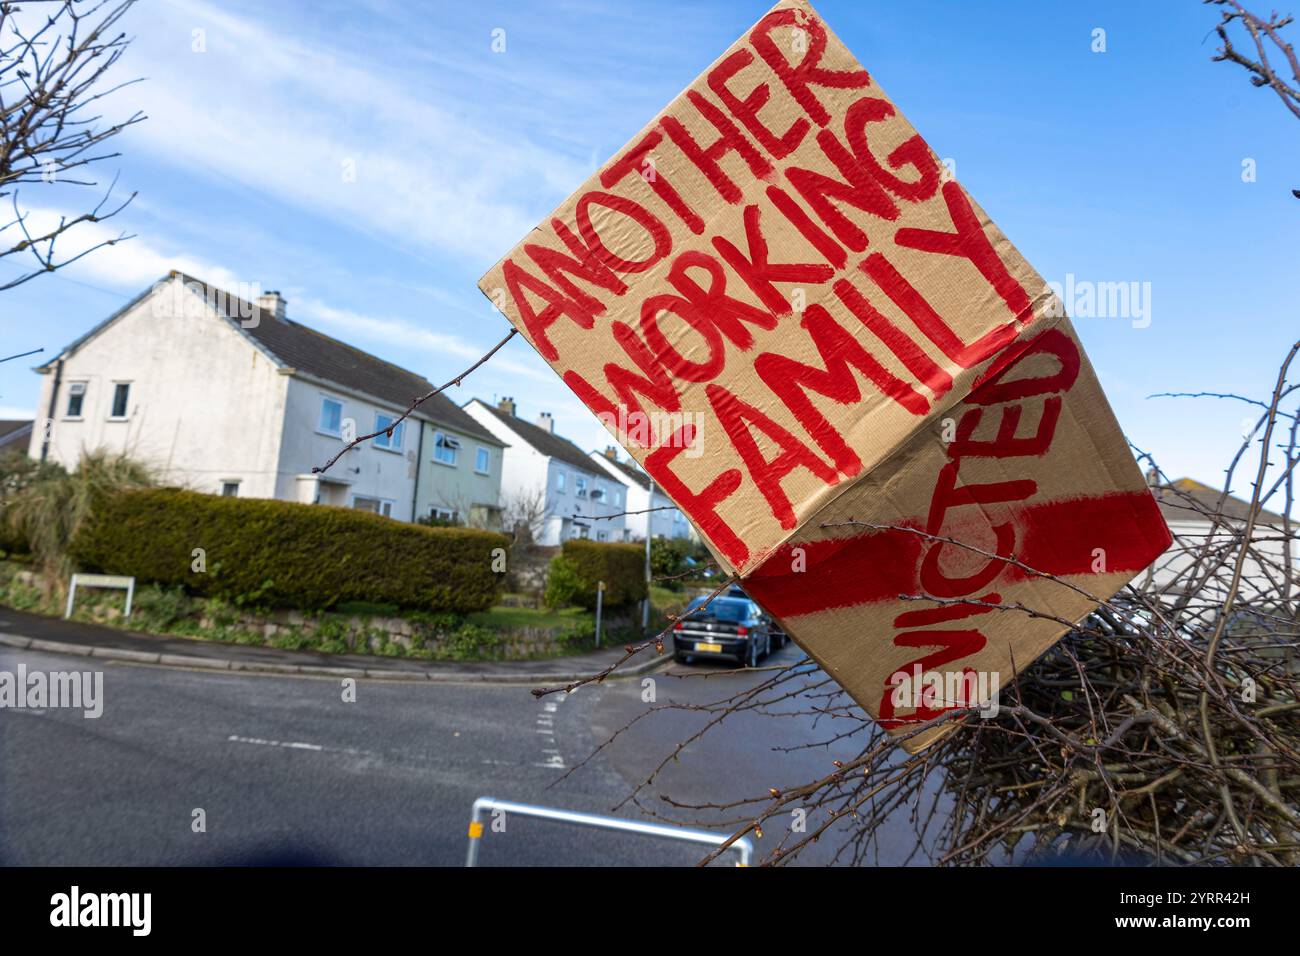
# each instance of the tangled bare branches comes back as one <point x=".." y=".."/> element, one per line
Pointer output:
<point x="1163" y="729"/>
<point x="1264" y="33"/>
<point x="55" y="65"/>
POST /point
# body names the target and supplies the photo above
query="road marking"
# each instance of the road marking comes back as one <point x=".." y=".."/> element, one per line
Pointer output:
<point x="545" y="725"/>
<point x="292" y="745"/>
<point x="301" y="745"/>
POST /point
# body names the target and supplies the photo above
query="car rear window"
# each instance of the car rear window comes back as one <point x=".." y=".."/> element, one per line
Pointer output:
<point x="727" y="610"/>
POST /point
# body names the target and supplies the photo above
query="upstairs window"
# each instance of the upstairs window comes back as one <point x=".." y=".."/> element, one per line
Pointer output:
<point x="580" y="486"/>
<point x="483" y="461"/>
<point x="76" y="398"/>
<point x="559" y="481"/>
<point x="121" y="395"/>
<point x="331" y="416"/>
<point x="446" y="449"/>
<point x="383" y="440"/>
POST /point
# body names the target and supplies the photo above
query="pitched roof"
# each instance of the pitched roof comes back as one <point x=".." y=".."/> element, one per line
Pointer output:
<point x="320" y="356"/>
<point x="1189" y="500"/>
<point x="12" y="430"/>
<point x="629" y="470"/>
<point x="548" y="443"/>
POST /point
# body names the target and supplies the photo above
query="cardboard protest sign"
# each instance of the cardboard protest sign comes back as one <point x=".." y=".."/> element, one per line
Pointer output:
<point x="817" y="344"/>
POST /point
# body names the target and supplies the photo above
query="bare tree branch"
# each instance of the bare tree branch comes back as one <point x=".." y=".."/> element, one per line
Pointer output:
<point x="52" y="76"/>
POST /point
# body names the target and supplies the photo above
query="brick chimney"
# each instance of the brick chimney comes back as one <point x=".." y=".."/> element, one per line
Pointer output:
<point x="611" y="453"/>
<point x="544" y="420"/>
<point x="273" y="303"/>
<point x="507" y="405"/>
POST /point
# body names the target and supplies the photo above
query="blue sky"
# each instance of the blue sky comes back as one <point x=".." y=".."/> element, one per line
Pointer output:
<point x="1122" y="166"/>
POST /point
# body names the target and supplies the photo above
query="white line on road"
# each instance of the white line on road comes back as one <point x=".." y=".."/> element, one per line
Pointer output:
<point x="291" y="744"/>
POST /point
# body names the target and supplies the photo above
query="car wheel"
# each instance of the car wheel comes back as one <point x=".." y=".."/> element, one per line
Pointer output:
<point x="752" y="655"/>
<point x="681" y="658"/>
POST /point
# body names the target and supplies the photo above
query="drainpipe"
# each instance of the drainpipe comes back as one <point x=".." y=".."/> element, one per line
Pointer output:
<point x="49" y="412"/>
<point x="419" y="467"/>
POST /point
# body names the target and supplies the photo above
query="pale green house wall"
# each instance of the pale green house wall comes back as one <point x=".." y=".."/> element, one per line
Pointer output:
<point x="475" y="497"/>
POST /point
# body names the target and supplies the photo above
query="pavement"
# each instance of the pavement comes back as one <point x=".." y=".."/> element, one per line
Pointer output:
<point x="37" y="632"/>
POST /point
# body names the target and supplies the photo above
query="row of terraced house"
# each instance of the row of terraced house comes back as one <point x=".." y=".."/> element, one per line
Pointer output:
<point x="232" y="397"/>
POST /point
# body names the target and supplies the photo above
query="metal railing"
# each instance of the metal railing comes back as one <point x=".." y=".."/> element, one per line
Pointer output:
<point x="743" y="846"/>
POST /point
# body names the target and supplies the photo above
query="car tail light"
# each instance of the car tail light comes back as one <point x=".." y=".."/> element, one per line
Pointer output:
<point x="742" y="631"/>
<point x="677" y="626"/>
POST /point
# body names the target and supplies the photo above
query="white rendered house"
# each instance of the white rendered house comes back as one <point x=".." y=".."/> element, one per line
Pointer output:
<point x="648" y="513"/>
<point x="231" y="397"/>
<point x="575" y="497"/>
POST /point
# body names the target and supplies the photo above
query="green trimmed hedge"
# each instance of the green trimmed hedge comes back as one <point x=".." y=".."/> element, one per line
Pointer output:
<point x="280" y="553"/>
<point x="620" y="566"/>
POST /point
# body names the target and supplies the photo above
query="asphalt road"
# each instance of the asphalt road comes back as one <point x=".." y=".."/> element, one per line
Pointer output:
<point x="286" y="771"/>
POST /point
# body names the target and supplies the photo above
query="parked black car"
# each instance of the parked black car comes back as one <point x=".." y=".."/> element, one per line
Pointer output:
<point x="729" y="627"/>
<point x="779" y="637"/>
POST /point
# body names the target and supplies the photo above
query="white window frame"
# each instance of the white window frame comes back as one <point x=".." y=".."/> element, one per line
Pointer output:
<point x="320" y="416"/>
<point x="226" y="483"/>
<point x="487" y="452"/>
<point x="81" y="408"/>
<point x="382" y="441"/>
<point x="126" y="414"/>
<point x="559" y="482"/>
<point x="439" y="437"/>
<point x="580" y="485"/>
<point x="386" y="505"/>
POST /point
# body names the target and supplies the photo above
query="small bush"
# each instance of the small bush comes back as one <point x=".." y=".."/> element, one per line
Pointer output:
<point x="42" y="506"/>
<point x="620" y="566"/>
<point x="563" y="585"/>
<point x="668" y="560"/>
<point x="260" y="552"/>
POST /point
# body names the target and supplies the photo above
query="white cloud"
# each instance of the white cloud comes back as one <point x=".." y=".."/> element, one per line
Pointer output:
<point x="314" y="127"/>
<point x="132" y="264"/>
